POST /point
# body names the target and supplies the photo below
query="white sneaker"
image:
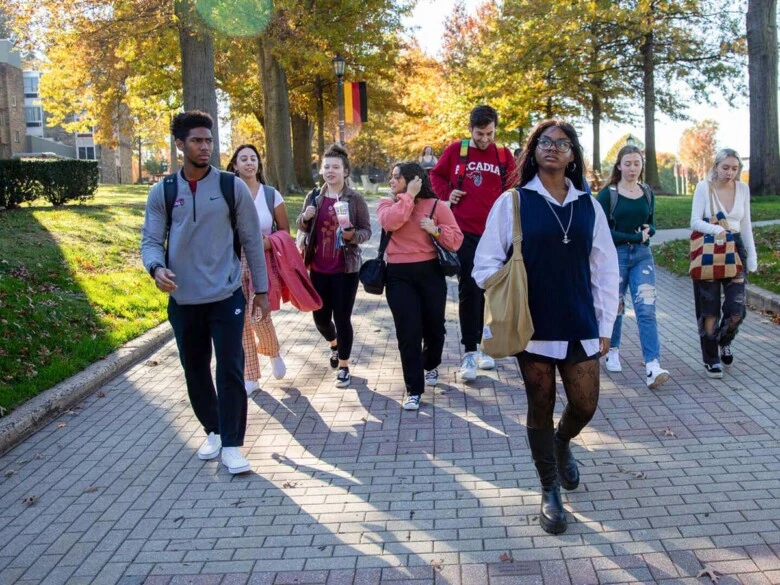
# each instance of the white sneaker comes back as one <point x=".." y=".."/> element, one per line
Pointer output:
<point x="250" y="386"/>
<point x="234" y="460"/>
<point x="656" y="375"/>
<point x="210" y="448"/>
<point x="613" y="360"/>
<point x="412" y="403"/>
<point x="484" y="361"/>
<point x="432" y="377"/>
<point x="277" y="367"/>
<point x="468" y="367"/>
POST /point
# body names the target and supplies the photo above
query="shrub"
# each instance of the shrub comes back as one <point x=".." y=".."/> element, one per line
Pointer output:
<point x="17" y="183"/>
<point x="59" y="181"/>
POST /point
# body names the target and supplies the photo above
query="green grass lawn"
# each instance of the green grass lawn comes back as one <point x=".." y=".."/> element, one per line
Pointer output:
<point x="675" y="211"/>
<point x="72" y="288"/>
<point x="674" y="256"/>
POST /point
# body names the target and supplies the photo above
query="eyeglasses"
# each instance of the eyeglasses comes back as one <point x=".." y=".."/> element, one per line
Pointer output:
<point x="561" y="145"/>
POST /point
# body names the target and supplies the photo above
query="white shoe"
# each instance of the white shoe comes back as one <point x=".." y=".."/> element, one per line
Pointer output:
<point x="613" y="360"/>
<point x="234" y="460"/>
<point x="277" y="367"/>
<point x="210" y="449"/>
<point x="468" y="367"/>
<point x="485" y="362"/>
<point x="412" y="402"/>
<point x="656" y="375"/>
<point x="250" y="386"/>
<point x="432" y="377"/>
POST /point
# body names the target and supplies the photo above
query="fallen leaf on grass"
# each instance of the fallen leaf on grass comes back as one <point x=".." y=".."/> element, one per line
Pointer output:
<point x="437" y="565"/>
<point x="708" y="571"/>
<point x="91" y="489"/>
<point x="62" y="425"/>
<point x="506" y="558"/>
<point x="30" y="500"/>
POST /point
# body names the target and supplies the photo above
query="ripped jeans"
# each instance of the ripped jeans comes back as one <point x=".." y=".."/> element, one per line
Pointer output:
<point x="706" y="294"/>
<point x="637" y="272"/>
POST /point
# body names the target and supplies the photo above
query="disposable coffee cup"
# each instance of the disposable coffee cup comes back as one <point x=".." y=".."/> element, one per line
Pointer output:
<point x="342" y="213"/>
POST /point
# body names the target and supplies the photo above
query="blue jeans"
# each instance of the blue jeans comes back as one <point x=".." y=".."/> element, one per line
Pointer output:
<point x="637" y="271"/>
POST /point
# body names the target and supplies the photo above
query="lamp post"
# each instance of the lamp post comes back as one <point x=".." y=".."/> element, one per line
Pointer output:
<point x="339" y="65"/>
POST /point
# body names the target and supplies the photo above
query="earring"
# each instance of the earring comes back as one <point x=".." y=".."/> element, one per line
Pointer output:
<point x="573" y="166"/>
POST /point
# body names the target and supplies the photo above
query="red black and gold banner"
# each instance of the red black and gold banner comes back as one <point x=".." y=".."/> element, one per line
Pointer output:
<point x="355" y="102"/>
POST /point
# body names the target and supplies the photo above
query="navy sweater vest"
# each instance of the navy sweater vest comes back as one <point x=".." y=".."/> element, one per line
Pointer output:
<point x="559" y="293"/>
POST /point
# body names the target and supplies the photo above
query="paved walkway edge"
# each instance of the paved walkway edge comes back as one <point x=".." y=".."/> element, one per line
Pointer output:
<point x="38" y="411"/>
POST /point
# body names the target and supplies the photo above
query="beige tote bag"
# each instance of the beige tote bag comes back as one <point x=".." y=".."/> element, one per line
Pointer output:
<point x="508" y="325"/>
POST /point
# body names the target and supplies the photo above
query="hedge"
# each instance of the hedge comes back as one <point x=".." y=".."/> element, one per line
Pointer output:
<point x="58" y="181"/>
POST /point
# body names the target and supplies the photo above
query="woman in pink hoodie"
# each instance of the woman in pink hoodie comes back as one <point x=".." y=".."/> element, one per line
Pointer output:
<point x="416" y="287"/>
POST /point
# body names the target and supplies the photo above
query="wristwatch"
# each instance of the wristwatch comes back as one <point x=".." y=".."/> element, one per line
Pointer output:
<point x="438" y="232"/>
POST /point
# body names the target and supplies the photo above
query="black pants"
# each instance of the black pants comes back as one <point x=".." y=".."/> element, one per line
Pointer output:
<point x="221" y="411"/>
<point x="471" y="306"/>
<point x="417" y="295"/>
<point x="707" y="297"/>
<point x="334" y="319"/>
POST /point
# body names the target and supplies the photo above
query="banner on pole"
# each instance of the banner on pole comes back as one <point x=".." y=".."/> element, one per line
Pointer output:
<point x="355" y="102"/>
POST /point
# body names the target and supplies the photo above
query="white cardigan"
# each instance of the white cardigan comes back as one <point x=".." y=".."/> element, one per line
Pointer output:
<point x="738" y="219"/>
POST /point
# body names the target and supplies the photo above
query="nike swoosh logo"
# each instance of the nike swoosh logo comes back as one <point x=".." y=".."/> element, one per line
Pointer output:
<point x="214" y="198"/>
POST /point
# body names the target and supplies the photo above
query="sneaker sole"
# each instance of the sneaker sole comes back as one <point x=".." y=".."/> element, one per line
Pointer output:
<point x="208" y="456"/>
<point x="491" y="367"/>
<point x="659" y="381"/>
<point x="468" y="378"/>
<point x="715" y="375"/>
<point x="343" y="384"/>
<point x="237" y="470"/>
<point x="416" y="407"/>
<point x="431" y="384"/>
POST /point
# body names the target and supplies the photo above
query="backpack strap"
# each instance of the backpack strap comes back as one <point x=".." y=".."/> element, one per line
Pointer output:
<point x="464" y="158"/>
<point x="227" y="182"/>
<point x="502" y="158"/>
<point x="170" y="190"/>
<point x="270" y="199"/>
<point x="646" y="191"/>
<point x="613" y="200"/>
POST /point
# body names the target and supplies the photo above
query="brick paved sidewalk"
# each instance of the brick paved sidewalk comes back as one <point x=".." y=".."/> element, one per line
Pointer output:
<point x="349" y="489"/>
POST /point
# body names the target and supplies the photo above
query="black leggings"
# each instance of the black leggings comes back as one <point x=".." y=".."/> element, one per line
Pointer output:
<point x="334" y="319"/>
<point x="580" y="375"/>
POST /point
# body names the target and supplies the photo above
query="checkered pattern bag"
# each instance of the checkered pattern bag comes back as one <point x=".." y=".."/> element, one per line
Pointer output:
<point x="711" y="258"/>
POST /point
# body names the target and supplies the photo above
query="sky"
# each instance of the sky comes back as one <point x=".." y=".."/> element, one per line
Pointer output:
<point x="426" y="24"/>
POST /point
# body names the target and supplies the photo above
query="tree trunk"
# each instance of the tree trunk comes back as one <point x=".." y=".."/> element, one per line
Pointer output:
<point x="301" y="136"/>
<point x="762" y="75"/>
<point x="276" y="114"/>
<point x="596" y="122"/>
<point x="318" y="85"/>
<point x="174" y="166"/>
<point x="199" y="86"/>
<point x="648" y="83"/>
<point x="140" y="164"/>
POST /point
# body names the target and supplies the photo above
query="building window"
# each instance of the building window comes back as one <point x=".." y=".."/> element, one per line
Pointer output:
<point x="86" y="153"/>
<point x="33" y="115"/>
<point x="16" y="136"/>
<point x="31" y="87"/>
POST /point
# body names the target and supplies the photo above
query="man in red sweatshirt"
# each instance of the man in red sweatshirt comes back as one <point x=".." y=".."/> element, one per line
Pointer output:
<point x="471" y="177"/>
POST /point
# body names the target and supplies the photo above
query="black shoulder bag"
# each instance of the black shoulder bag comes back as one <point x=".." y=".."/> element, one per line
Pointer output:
<point x="373" y="272"/>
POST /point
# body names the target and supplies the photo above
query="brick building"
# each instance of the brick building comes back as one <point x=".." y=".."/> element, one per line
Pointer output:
<point x="12" y="124"/>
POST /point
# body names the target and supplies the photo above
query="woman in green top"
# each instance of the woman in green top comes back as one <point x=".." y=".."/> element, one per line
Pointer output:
<point x="630" y="208"/>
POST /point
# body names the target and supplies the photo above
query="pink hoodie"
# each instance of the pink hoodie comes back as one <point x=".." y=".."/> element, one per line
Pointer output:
<point x="411" y="243"/>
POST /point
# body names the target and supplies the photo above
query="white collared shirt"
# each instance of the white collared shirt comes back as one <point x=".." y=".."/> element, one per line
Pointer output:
<point x="494" y="245"/>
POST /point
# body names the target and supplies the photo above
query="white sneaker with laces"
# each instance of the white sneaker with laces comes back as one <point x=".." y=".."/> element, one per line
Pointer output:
<point x="343" y="378"/>
<point x="278" y="367"/>
<point x="432" y="377"/>
<point x="468" y="367"/>
<point x="613" y="360"/>
<point x="412" y="402"/>
<point x="656" y="375"/>
<point x="484" y="361"/>
<point x="250" y="386"/>
<point x="235" y="461"/>
<point x="210" y="448"/>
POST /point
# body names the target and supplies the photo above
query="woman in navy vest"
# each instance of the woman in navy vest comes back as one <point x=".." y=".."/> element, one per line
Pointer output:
<point x="572" y="269"/>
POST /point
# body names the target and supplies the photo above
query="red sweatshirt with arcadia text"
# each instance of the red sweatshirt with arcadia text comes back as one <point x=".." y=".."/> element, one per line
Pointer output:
<point x="482" y="183"/>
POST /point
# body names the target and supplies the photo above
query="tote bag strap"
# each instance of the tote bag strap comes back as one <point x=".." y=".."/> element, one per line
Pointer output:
<point x="715" y="207"/>
<point x="517" y="228"/>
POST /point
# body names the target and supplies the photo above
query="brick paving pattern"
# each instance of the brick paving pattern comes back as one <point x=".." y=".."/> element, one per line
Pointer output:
<point x="348" y="489"/>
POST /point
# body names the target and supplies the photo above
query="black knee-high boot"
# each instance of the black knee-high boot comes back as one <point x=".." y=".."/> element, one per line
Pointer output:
<point x="568" y="473"/>
<point x="551" y="516"/>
